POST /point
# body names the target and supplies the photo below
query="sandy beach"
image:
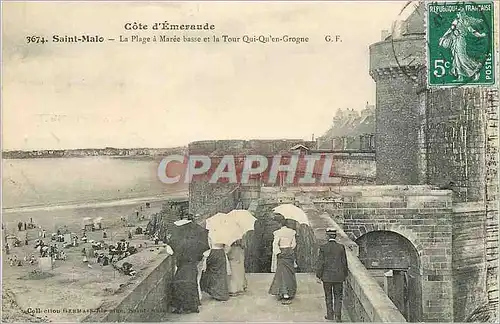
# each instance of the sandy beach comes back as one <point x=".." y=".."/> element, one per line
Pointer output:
<point x="96" y="204"/>
<point x="72" y="283"/>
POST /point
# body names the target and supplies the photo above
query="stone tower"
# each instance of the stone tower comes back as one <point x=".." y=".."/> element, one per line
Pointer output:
<point x="394" y="63"/>
<point x="442" y="137"/>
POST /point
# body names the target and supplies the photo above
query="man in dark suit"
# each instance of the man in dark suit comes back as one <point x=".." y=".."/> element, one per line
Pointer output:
<point x="332" y="270"/>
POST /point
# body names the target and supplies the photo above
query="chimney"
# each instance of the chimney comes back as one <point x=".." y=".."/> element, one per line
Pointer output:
<point x="385" y="33"/>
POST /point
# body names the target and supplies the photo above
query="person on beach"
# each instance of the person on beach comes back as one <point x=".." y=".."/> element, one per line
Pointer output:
<point x="284" y="284"/>
<point x="237" y="279"/>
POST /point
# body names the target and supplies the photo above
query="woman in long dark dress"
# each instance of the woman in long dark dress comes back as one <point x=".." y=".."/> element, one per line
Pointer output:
<point x="215" y="278"/>
<point x="188" y="244"/>
<point x="185" y="297"/>
<point x="284" y="284"/>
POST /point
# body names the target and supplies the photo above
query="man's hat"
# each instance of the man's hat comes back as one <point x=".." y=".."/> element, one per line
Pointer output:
<point x="331" y="231"/>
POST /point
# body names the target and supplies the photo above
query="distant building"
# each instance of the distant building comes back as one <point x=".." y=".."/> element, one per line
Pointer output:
<point x="350" y="130"/>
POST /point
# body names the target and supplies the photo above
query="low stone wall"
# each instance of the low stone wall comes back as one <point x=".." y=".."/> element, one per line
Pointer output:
<point x="144" y="300"/>
<point x="360" y="167"/>
<point x="364" y="300"/>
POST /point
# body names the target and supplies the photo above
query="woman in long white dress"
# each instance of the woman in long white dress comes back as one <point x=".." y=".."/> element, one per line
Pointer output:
<point x="237" y="279"/>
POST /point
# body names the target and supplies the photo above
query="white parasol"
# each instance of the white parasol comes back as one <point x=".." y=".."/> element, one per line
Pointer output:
<point x="226" y="235"/>
<point x="290" y="211"/>
<point x="214" y="221"/>
<point x="224" y="229"/>
<point x="244" y="218"/>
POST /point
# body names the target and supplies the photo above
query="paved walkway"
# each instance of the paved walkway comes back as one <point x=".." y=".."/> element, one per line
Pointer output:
<point x="256" y="305"/>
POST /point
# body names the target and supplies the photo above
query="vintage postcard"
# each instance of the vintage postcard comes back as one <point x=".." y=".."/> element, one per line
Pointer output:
<point x="270" y="162"/>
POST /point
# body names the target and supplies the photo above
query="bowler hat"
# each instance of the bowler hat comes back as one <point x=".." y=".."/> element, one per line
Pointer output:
<point x="331" y="231"/>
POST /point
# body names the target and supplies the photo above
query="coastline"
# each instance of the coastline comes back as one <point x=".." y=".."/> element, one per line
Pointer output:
<point x="178" y="194"/>
<point x="122" y="157"/>
<point x="73" y="284"/>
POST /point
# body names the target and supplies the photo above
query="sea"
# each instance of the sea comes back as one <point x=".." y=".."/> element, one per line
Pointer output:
<point x="62" y="188"/>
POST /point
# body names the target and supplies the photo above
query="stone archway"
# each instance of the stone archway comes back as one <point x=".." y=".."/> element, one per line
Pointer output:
<point x="395" y="263"/>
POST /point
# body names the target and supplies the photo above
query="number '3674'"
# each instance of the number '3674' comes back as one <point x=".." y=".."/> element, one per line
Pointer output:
<point x="36" y="39"/>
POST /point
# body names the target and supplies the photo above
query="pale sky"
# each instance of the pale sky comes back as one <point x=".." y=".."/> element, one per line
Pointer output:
<point x="161" y="95"/>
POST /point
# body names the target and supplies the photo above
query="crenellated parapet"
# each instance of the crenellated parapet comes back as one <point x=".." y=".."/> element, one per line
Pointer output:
<point x="397" y="55"/>
<point x="410" y="72"/>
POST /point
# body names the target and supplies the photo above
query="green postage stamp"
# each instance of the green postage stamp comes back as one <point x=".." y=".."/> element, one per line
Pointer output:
<point x="460" y="43"/>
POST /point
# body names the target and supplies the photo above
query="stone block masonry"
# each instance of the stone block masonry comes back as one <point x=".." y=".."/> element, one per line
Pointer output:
<point x="206" y="197"/>
<point x="393" y="65"/>
<point x="397" y="131"/>
<point x="469" y="259"/>
<point x="454" y="143"/>
<point x="423" y="217"/>
<point x="364" y="300"/>
<point x="145" y="300"/>
<point x="441" y="243"/>
<point x="353" y="168"/>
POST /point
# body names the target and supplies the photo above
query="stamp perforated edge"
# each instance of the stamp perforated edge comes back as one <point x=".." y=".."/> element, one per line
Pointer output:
<point x="495" y="26"/>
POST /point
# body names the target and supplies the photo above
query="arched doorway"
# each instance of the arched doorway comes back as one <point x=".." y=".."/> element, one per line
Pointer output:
<point x="394" y="262"/>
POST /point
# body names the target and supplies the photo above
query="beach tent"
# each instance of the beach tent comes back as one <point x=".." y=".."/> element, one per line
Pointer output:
<point x="98" y="223"/>
<point x="88" y="225"/>
<point x="131" y="219"/>
<point x="12" y="240"/>
<point x="45" y="264"/>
